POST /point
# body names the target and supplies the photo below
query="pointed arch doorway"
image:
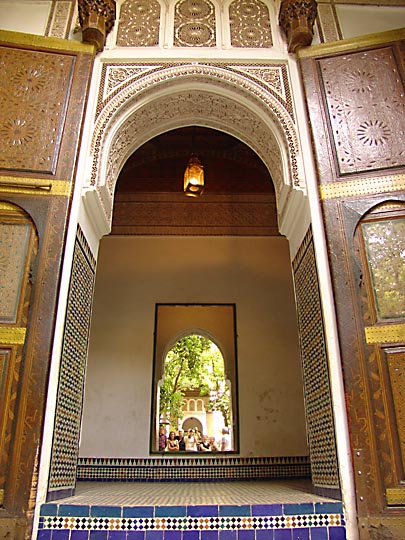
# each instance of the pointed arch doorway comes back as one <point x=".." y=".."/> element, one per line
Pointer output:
<point x="226" y="99"/>
<point x="221" y="248"/>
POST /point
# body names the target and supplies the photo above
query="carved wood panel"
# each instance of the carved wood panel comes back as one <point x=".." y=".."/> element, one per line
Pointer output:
<point x="249" y="24"/>
<point x="395" y="362"/>
<point x="365" y="101"/>
<point x="147" y="214"/>
<point x="139" y="24"/>
<point x="34" y="93"/>
<point x="194" y="24"/>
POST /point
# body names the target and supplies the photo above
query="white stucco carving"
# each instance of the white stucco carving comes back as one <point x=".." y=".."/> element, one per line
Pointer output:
<point x="139" y="101"/>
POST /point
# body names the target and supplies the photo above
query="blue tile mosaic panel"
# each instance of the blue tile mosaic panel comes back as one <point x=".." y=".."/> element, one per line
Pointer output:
<point x="190" y="469"/>
<point x="307" y="521"/>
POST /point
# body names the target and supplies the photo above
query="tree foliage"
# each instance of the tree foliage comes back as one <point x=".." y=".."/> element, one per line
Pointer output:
<point x="194" y="363"/>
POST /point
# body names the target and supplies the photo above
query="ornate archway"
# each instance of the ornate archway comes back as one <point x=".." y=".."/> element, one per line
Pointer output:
<point x="137" y="102"/>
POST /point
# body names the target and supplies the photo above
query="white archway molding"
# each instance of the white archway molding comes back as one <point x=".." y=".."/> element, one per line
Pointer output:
<point x="136" y="102"/>
<point x="200" y="107"/>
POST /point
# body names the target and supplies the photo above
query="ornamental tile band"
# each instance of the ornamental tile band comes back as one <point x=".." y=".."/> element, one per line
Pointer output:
<point x="193" y="523"/>
<point x="185" y="469"/>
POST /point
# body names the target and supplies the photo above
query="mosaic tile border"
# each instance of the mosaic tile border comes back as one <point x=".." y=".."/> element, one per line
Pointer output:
<point x="319" y="412"/>
<point x="191" y="469"/>
<point x="322" y="520"/>
<point x="65" y="445"/>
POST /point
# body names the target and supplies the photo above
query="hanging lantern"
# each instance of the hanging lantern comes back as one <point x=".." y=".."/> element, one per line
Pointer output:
<point x="194" y="177"/>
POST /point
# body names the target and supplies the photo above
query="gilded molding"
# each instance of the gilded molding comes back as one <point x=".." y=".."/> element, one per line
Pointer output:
<point x="362" y="186"/>
<point x="351" y="45"/>
<point x="12" y="335"/>
<point x="388" y="333"/>
<point x="6" y="206"/>
<point x="395" y="496"/>
<point x="12" y="184"/>
<point x="31" y="40"/>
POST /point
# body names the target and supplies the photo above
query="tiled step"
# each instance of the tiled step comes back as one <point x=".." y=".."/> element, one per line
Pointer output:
<point x="291" y="521"/>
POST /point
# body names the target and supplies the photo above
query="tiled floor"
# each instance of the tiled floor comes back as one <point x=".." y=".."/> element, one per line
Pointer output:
<point x="192" y="493"/>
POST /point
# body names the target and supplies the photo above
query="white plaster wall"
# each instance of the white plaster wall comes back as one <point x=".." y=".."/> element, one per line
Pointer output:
<point x="135" y="273"/>
<point x="30" y="17"/>
<point x="360" y="20"/>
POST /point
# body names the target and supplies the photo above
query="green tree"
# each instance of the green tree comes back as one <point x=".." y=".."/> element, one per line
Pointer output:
<point x="194" y="363"/>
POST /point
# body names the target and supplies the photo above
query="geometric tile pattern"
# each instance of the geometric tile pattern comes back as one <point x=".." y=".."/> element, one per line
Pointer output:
<point x="72" y="369"/>
<point x="319" y="415"/>
<point x="192" y="469"/>
<point x="318" y="521"/>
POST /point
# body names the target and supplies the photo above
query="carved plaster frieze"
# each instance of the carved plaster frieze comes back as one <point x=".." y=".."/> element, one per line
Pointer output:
<point x="139" y="101"/>
<point x="120" y="78"/>
<point x="194" y="24"/>
<point x="249" y="24"/>
<point x="60" y="19"/>
<point x="115" y="78"/>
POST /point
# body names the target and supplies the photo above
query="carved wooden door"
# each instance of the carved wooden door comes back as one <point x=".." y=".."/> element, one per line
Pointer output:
<point x="356" y="99"/>
<point x="380" y="255"/>
<point x="18" y="247"/>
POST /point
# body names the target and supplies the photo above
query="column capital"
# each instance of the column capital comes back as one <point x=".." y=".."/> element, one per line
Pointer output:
<point x="96" y="17"/>
<point x="297" y="19"/>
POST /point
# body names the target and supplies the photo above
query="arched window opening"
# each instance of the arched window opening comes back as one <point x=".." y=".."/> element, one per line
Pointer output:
<point x="195" y="377"/>
<point x="194" y="381"/>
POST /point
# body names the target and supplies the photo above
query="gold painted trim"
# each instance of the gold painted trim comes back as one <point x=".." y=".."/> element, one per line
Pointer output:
<point x="363" y="186"/>
<point x="41" y="187"/>
<point x="1" y="496"/>
<point x="31" y="40"/>
<point x="12" y="335"/>
<point x="6" y="206"/>
<point x="389" y="333"/>
<point x="351" y="45"/>
<point x="395" y="496"/>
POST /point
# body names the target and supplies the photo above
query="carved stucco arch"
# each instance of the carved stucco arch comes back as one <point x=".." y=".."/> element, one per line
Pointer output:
<point x="137" y="102"/>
